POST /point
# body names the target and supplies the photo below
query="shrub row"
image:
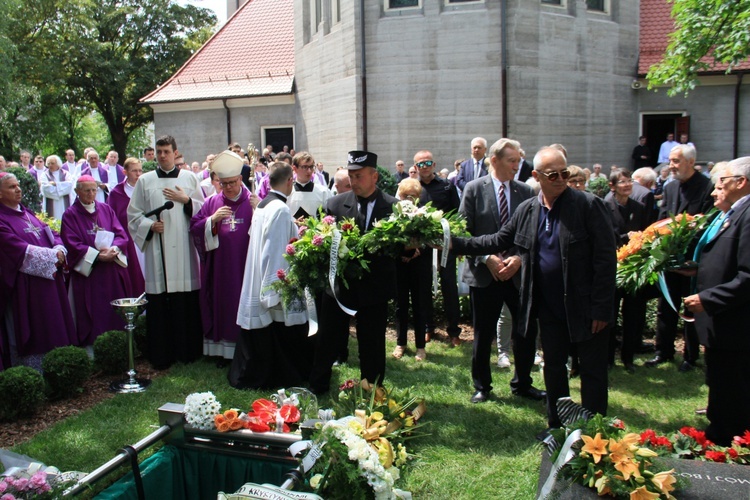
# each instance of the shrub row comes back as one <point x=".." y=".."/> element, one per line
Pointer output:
<point x="65" y="369"/>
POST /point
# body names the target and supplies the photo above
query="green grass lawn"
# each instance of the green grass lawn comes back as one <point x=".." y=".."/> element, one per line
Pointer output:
<point x="472" y="452"/>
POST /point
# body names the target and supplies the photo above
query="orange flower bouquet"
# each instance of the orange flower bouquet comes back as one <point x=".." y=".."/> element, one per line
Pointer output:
<point x="661" y="246"/>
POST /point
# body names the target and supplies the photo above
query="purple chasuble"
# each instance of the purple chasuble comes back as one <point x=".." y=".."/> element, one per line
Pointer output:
<point x="40" y="308"/>
<point x="221" y="269"/>
<point x="265" y="187"/>
<point x="108" y="281"/>
<point x="119" y="201"/>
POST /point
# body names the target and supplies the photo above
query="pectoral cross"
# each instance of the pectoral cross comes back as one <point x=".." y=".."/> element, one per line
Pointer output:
<point x="232" y="223"/>
<point x="94" y="229"/>
<point x="31" y="228"/>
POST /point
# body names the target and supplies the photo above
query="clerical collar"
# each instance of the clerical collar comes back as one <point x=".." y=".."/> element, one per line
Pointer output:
<point x="306" y="187"/>
<point x="281" y="195"/>
<point x="90" y="208"/>
<point x="368" y="199"/>
<point x="232" y="199"/>
<point x="160" y="172"/>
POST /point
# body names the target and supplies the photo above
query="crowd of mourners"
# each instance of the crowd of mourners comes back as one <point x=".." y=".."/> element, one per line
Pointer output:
<point x="204" y="242"/>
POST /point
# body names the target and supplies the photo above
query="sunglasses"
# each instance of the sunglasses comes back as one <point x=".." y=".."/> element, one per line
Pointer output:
<point x="424" y="164"/>
<point x="553" y="176"/>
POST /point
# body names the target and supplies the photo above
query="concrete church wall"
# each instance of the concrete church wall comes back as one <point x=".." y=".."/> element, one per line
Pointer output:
<point x="327" y="84"/>
<point x="569" y="79"/>
<point x="203" y="131"/>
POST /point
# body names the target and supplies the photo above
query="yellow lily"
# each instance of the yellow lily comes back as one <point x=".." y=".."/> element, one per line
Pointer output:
<point x="664" y="480"/>
<point x="643" y="494"/>
<point x="628" y="467"/>
<point x="596" y="446"/>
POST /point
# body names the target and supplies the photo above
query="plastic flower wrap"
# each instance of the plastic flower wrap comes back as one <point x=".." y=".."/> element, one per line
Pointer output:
<point x="309" y="257"/>
<point x="661" y="246"/>
<point x="200" y="409"/>
<point x="411" y="226"/>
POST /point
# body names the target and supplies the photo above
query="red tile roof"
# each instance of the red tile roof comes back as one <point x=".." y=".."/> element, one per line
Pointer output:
<point x="655" y="27"/>
<point x="251" y="55"/>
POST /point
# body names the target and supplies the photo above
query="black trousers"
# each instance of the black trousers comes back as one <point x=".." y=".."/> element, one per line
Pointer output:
<point x="666" y="321"/>
<point x="371" y="321"/>
<point x="592" y="354"/>
<point x="486" y="305"/>
<point x="633" y="324"/>
<point x="728" y="381"/>
<point x="271" y="357"/>
<point x="413" y="281"/>
<point x="449" y="287"/>
<point x="173" y="328"/>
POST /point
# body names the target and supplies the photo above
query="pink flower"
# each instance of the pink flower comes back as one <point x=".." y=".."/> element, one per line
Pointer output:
<point x="22" y="484"/>
<point x="281" y="274"/>
<point x="7" y="496"/>
<point x="329" y="219"/>
<point x="39" y="479"/>
<point x="3" y="486"/>
<point x="301" y="230"/>
<point x="290" y="250"/>
<point x="317" y="240"/>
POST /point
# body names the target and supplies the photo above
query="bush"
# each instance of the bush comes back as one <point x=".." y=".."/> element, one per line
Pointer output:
<point x="386" y="181"/>
<point x="111" y="352"/>
<point x="599" y="187"/>
<point x="22" y="390"/>
<point x="65" y="370"/>
<point x="30" y="194"/>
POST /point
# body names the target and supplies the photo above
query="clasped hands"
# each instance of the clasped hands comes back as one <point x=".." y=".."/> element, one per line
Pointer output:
<point x="503" y="269"/>
<point x="108" y="254"/>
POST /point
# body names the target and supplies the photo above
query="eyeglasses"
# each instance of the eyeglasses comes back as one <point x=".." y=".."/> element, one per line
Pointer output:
<point x="307" y="167"/>
<point x="576" y="182"/>
<point x="424" y="164"/>
<point x="723" y="179"/>
<point x="553" y="176"/>
<point x="228" y="184"/>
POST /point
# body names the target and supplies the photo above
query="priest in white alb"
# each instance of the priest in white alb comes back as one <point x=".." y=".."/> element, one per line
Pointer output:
<point x="307" y="197"/>
<point x="271" y="349"/>
<point x="173" y="324"/>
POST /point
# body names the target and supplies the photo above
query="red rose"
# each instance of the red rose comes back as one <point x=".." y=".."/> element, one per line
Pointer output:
<point x="733" y="453"/>
<point x="647" y="435"/>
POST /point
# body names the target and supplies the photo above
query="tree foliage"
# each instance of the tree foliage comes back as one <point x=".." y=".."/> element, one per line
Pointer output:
<point x="69" y="58"/>
<point x="707" y="32"/>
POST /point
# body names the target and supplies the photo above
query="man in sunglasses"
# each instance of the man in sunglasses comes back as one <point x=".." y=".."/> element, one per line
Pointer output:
<point x="566" y="244"/>
<point x="443" y="195"/>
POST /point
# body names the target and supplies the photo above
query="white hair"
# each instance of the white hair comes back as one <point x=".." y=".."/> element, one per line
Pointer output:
<point x="688" y="151"/>
<point x="740" y="166"/>
<point x="54" y="157"/>
<point x="480" y="139"/>
<point x="646" y="174"/>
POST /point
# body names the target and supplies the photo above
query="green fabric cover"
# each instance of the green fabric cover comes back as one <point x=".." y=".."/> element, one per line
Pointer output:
<point x="177" y="473"/>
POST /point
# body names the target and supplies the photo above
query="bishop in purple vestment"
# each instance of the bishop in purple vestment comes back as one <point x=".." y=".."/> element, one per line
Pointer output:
<point x="35" y="315"/>
<point x="99" y="273"/>
<point x="220" y="231"/>
<point x="119" y="199"/>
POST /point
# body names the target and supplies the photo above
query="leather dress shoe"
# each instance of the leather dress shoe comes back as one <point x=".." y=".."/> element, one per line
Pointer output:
<point x="645" y="348"/>
<point x="532" y="393"/>
<point x="480" y="397"/>
<point x="455" y="342"/>
<point x="658" y="360"/>
<point x="686" y="366"/>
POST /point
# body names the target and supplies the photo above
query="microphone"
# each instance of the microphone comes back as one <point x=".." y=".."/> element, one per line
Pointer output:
<point x="168" y="205"/>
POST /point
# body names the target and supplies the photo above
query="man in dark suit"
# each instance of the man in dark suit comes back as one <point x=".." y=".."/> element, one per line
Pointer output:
<point x="370" y="294"/>
<point x="642" y="155"/>
<point x="524" y="168"/>
<point x="692" y="195"/>
<point x="474" y="167"/>
<point x="488" y="204"/>
<point x="720" y="306"/>
<point x="567" y="248"/>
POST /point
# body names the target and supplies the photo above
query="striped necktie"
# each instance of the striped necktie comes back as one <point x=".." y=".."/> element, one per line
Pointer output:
<point x="504" y="212"/>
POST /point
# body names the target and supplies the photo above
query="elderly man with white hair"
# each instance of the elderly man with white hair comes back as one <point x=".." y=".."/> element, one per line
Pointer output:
<point x="721" y="302"/>
<point x="56" y="187"/>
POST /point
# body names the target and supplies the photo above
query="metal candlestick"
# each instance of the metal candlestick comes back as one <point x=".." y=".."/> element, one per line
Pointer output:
<point x="129" y="309"/>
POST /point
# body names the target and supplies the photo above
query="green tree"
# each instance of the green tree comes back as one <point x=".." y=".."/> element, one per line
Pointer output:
<point x="67" y="58"/>
<point x="707" y="32"/>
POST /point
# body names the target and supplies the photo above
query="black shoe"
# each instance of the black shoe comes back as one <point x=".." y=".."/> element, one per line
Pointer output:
<point x="630" y="367"/>
<point x="223" y="362"/>
<point x="532" y="393"/>
<point x="686" y="366"/>
<point x="658" y="360"/>
<point x="480" y="397"/>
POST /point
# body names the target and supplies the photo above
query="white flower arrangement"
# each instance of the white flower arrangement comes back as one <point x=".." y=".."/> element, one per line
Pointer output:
<point x="348" y="430"/>
<point x="200" y="409"/>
